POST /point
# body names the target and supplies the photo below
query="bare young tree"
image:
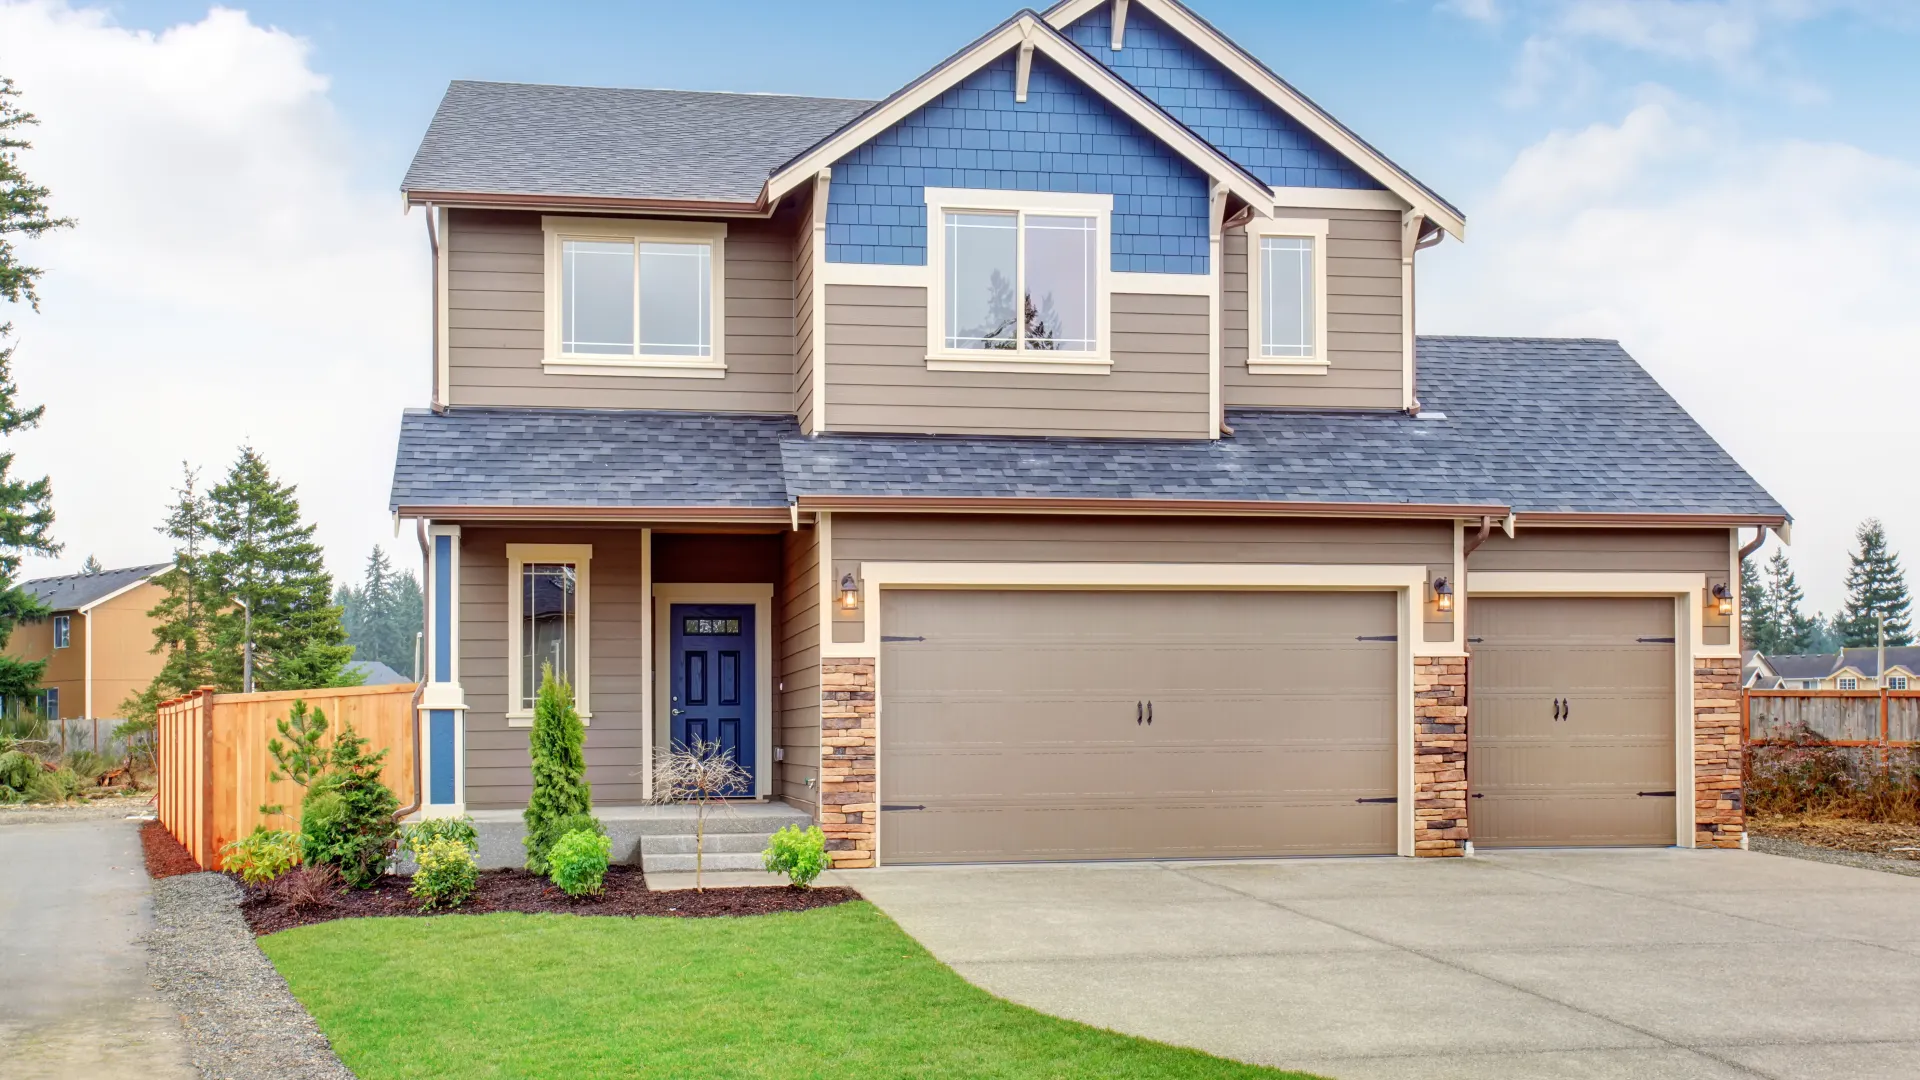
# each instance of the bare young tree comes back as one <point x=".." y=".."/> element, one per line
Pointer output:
<point x="701" y="773"/>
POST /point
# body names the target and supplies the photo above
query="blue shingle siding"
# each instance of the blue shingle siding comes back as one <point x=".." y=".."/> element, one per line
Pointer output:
<point x="1064" y="138"/>
<point x="1214" y="102"/>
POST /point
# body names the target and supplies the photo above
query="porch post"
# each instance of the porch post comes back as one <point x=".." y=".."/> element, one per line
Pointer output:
<point x="443" y="705"/>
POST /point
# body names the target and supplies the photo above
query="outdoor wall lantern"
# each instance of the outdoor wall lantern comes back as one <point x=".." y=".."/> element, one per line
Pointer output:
<point x="1442" y="594"/>
<point x="1723" y="599"/>
<point x="849" y="593"/>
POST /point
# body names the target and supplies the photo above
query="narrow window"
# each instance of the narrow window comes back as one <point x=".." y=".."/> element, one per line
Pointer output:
<point x="62" y="631"/>
<point x="676" y="301"/>
<point x="597" y="298"/>
<point x="1060" y="307"/>
<point x="1287" y="300"/>
<point x="549" y="631"/>
<point x="50" y="703"/>
<point x="982" y="252"/>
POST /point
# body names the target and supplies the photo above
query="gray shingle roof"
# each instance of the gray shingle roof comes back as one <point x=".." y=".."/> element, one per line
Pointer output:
<point x="1867" y="660"/>
<point x="522" y="139"/>
<point x="72" y="591"/>
<point x="1539" y="425"/>
<point x="1803" y="665"/>
<point x="375" y="673"/>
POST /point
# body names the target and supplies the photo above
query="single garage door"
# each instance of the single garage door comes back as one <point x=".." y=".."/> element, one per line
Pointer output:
<point x="1039" y="725"/>
<point x="1570" y="738"/>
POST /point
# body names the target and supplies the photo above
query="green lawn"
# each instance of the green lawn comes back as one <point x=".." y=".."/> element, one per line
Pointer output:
<point x="836" y="992"/>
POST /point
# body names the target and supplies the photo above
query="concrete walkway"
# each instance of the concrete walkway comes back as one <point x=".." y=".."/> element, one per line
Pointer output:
<point x="74" y="996"/>
<point x="1534" y="965"/>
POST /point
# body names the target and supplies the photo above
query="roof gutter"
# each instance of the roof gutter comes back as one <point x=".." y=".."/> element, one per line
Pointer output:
<point x="1185" y="507"/>
<point x="778" y="514"/>
<point x="1699" y="521"/>
<point x="604" y="204"/>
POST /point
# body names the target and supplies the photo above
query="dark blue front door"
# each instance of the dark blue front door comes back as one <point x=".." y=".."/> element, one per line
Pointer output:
<point x="712" y="692"/>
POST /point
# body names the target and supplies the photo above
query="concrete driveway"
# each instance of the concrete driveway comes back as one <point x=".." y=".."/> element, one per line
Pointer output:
<point x="75" y="1000"/>
<point x="1530" y="965"/>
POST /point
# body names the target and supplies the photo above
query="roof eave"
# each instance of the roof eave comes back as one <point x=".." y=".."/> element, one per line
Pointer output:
<point x="1628" y="519"/>
<point x="510" y="513"/>
<point x="605" y="204"/>
<point x="1199" y="507"/>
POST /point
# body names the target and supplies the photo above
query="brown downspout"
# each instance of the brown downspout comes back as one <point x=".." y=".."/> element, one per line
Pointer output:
<point x="1759" y="537"/>
<point x="1486" y="528"/>
<point x="419" y="691"/>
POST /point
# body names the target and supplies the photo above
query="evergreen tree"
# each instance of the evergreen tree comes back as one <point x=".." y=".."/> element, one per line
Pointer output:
<point x="1756" y="621"/>
<point x="1792" y="631"/>
<point x="92" y="566"/>
<point x="181" y="627"/>
<point x="383" y="614"/>
<point x="26" y="510"/>
<point x="273" y="584"/>
<point x="1876" y="586"/>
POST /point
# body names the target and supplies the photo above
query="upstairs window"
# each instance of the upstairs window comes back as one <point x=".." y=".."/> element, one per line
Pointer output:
<point x="1896" y="682"/>
<point x="1287" y="296"/>
<point x="1019" y="281"/>
<point x="634" y="297"/>
<point x="62" y="631"/>
<point x="1847" y="682"/>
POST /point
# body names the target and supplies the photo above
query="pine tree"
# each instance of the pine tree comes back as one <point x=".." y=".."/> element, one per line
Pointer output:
<point x="266" y="564"/>
<point x="181" y="627"/>
<point x="1792" y="631"/>
<point x="1756" y="621"/>
<point x="92" y="566"/>
<point x="383" y="614"/>
<point x="26" y="510"/>
<point x="1876" y="586"/>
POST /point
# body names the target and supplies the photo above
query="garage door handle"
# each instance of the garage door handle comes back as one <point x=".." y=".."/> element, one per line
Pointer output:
<point x="1556" y="708"/>
<point x="1139" y="712"/>
<point x="1149" y="714"/>
<point x="1566" y="709"/>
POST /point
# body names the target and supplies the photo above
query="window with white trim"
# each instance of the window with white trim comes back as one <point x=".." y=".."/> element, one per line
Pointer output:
<point x="1849" y="683"/>
<point x="1287" y="296"/>
<point x="1020" y="279"/>
<point x="62" y="631"/>
<point x="1896" y="682"/>
<point x="548" y="601"/>
<point x="635" y="297"/>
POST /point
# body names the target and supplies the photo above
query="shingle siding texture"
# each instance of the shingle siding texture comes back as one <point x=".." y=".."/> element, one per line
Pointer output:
<point x="1538" y="425"/>
<point x="1214" y="102"/>
<point x="1064" y="138"/>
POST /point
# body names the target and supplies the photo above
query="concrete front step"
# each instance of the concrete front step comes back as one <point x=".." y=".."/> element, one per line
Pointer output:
<point x="683" y="863"/>
<point x="717" y="843"/>
<point x="503" y="832"/>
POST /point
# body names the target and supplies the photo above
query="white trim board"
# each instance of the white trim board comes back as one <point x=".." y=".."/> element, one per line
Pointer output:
<point x="761" y="597"/>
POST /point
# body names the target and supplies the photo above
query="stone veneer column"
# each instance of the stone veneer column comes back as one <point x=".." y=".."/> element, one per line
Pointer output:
<point x="1719" y="808"/>
<point x="849" y="799"/>
<point x="1440" y="756"/>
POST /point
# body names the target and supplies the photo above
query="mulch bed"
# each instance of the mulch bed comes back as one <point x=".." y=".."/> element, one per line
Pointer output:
<point x="1842" y="834"/>
<point x="625" y="893"/>
<point x="165" y="856"/>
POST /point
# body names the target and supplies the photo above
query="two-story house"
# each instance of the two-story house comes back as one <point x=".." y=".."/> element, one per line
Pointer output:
<point x="1039" y="463"/>
<point x="97" y="641"/>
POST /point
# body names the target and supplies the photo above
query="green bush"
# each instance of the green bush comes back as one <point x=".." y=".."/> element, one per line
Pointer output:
<point x="261" y="856"/>
<point x="89" y="765"/>
<point x="800" y="855"/>
<point x="446" y="873"/>
<point x="578" y="862"/>
<point x="18" y="770"/>
<point x="58" y="786"/>
<point x="560" y="789"/>
<point x="346" y="818"/>
<point x="414" y="838"/>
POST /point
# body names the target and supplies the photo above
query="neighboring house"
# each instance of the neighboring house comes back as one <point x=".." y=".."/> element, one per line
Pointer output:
<point x="98" y="640"/>
<point x="1039" y="464"/>
<point x="1848" y="669"/>
<point x="375" y="673"/>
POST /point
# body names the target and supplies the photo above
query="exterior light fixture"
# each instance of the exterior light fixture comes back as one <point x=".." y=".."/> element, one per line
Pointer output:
<point x="849" y="593"/>
<point x="1442" y="594"/>
<point x="1723" y="599"/>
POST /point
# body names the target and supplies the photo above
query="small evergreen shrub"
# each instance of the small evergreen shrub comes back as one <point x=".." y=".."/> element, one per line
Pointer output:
<point x="557" y="744"/>
<point x="346" y="818"/>
<point x="18" y="770"/>
<point x="415" y="837"/>
<point x="577" y="862"/>
<point x="261" y="856"/>
<point x="799" y="854"/>
<point x="446" y="874"/>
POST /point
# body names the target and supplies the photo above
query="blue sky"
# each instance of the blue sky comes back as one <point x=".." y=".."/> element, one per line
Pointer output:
<point x="1725" y="185"/>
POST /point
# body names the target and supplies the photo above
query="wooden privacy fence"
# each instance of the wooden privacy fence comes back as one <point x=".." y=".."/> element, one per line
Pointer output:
<point x="213" y="760"/>
<point x="1875" y="718"/>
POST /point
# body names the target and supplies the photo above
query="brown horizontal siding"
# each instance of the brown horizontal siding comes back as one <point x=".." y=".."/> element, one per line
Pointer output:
<point x="1573" y="550"/>
<point x="1364" y="331"/>
<point x="797" y="719"/>
<point x="878" y="380"/>
<point x="495" y="336"/>
<point x="1043" y="538"/>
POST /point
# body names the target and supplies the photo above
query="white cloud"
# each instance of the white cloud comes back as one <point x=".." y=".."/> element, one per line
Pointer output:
<point x="1768" y="284"/>
<point x="232" y="279"/>
<point x="1477" y="10"/>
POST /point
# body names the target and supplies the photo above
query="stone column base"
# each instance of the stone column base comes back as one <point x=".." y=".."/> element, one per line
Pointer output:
<point x="849" y="798"/>
<point x="1440" y="756"/>
<point x="1719" y="806"/>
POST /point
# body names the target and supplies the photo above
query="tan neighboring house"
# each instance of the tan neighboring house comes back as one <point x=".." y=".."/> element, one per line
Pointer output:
<point x="98" y="641"/>
<point x="1848" y="669"/>
<point x="1039" y="463"/>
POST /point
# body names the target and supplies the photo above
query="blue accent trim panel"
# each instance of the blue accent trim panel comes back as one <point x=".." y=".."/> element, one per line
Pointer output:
<point x="1064" y="138"/>
<point x="440" y="757"/>
<point x="712" y="693"/>
<point x="1220" y="108"/>
<point x="443" y="609"/>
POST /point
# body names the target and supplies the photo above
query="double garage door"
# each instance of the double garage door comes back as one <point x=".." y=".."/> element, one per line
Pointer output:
<point x="1038" y="725"/>
<point x="1043" y="725"/>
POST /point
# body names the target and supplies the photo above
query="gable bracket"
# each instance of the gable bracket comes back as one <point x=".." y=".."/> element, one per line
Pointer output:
<point x="1119" y="24"/>
<point x="1023" y="67"/>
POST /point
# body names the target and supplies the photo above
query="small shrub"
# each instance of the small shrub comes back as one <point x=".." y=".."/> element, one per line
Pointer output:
<point x="346" y="818"/>
<point x="446" y="875"/>
<point x="88" y="765"/>
<point x="557" y="743"/>
<point x="18" y="770"/>
<point x="55" y="786"/>
<point x="307" y="888"/>
<point x="261" y="856"/>
<point x="799" y="854"/>
<point x="415" y="837"/>
<point x="578" y="862"/>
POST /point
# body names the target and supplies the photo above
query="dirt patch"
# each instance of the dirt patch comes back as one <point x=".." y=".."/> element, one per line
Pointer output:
<point x="1841" y="834"/>
<point x="165" y="856"/>
<point x="91" y="807"/>
<point x="517" y="890"/>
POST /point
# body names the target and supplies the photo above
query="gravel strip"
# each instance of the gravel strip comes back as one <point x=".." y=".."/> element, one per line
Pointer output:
<point x="92" y="810"/>
<point x="242" y="1022"/>
<point x="1794" y="849"/>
